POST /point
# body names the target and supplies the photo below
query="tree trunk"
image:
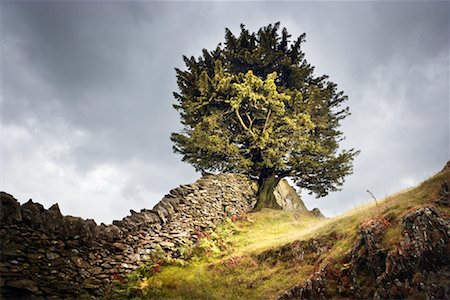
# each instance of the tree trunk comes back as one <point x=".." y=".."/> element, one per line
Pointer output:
<point x="266" y="197"/>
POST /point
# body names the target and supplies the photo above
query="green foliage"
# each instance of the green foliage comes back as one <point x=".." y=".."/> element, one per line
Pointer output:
<point x="141" y="282"/>
<point x="254" y="106"/>
<point x="214" y="243"/>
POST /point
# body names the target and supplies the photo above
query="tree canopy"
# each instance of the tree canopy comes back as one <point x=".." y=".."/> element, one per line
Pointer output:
<point x="254" y="106"/>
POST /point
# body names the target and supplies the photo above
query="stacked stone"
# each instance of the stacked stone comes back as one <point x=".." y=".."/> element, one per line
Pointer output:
<point x="47" y="255"/>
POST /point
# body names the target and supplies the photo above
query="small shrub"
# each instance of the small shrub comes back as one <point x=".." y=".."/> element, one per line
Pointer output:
<point x="215" y="243"/>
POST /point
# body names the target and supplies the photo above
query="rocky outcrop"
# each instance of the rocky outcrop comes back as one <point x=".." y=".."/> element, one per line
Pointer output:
<point x="45" y="255"/>
<point x="287" y="198"/>
<point x="419" y="267"/>
<point x="444" y="195"/>
<point x="421" y="264"/>
<point x="317" y="213"/>
<point x="300" y="252"/>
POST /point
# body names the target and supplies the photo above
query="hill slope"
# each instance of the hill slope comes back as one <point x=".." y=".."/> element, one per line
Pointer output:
<point x="394" y="249"/>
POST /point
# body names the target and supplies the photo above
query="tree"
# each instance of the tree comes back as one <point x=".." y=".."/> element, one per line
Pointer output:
<point x="254" y="106"/>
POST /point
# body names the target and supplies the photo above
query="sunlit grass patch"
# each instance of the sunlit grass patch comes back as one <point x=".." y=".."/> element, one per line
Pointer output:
<point x="242" y="279"/>
<point x="270" y="228"/>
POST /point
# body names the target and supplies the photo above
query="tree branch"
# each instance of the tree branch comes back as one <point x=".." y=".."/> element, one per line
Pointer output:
<point x="267" y="119"/>
<point x="243" y="123"/>
<point x="283" y="174"/>
<point x="250" y="121"/>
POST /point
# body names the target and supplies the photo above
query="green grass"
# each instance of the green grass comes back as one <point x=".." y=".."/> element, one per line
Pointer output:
<point x="270" y="228"/>
<point x="244" y="275"/>
<point x="245" y="280"/>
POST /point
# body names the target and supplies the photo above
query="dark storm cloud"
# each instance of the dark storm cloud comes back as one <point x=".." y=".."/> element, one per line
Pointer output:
<point x="87" y="93"/>
<point x="97" y="69"/>
<point x="102" y="76"/>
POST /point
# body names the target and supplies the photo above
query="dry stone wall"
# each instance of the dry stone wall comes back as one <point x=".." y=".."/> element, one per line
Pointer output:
<point x="45" y="255"/>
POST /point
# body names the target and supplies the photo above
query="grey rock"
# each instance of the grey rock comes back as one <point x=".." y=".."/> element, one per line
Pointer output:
<point x="52" y="256"/>
<point x="25" y="284"/>
<point x="316" y="212"/>
<point x="31" y="213"/>
<point x="10" y="209"/>
<point x="287" y="197"/>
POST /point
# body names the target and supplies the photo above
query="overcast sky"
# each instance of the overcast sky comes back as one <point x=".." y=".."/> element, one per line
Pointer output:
<point x="86" y="94"/>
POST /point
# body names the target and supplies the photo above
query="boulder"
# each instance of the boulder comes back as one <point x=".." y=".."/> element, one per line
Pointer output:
<point x="317" y="213"/>
<point x="287" y="197"/>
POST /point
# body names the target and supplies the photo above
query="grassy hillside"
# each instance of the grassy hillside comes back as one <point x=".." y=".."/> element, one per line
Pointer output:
<point x="265" y="253"/>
